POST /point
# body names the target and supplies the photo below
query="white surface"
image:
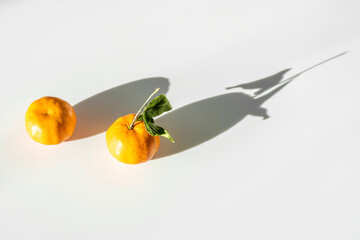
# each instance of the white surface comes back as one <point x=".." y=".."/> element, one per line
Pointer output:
<point x="292" y="176"/>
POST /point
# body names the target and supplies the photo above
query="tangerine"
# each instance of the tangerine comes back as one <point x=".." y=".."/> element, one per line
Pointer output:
<point x="50" y="120"/>
<point x="131" y="145"/>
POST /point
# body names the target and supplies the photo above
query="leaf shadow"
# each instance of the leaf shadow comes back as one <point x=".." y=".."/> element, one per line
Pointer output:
<point x="262" y="85"/>
<point x="95" y="114"/>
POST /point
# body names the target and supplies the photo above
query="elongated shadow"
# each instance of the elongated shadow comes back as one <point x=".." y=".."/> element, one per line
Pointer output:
<point x="95" y="114"/>
<point x="201" y="121"/>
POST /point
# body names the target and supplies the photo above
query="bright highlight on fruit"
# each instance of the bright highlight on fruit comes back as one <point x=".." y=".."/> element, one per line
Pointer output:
<point x="134" y="138"/>
<point x="50" y="120"/>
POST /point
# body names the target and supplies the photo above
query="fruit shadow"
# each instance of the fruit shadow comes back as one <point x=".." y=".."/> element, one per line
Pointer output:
<point x="95" y="114"/>
<point x="201" y="121"/>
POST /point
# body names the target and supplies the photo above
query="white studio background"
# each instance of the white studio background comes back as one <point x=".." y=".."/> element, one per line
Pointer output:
<point x="294" y="175"/>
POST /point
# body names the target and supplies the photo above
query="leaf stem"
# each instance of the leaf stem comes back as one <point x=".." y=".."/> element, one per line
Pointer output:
<point x="138" y="113"/>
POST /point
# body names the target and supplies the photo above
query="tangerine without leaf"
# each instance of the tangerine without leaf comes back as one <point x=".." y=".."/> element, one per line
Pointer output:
<point x="50" y="120"/>
<point x="131" y="146"/>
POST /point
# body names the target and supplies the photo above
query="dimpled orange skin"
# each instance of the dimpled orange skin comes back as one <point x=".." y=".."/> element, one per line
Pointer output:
<point x="50" y="120"/>
<point x="131" y="146"/>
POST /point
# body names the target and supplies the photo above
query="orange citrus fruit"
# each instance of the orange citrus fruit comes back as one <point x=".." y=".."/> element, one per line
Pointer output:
<point x="50" y="120"/>
<point x="131" y="146"/>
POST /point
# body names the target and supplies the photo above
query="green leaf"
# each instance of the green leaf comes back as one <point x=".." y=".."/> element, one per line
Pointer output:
<point x="156" y="107"/>
<point x="156" y="130"/>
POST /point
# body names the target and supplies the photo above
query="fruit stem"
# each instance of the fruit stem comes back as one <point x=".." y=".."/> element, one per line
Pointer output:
<point x="138" y="113"/>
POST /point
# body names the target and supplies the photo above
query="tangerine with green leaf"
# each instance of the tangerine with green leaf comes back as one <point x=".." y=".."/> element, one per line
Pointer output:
<point x="134" y="138"/>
